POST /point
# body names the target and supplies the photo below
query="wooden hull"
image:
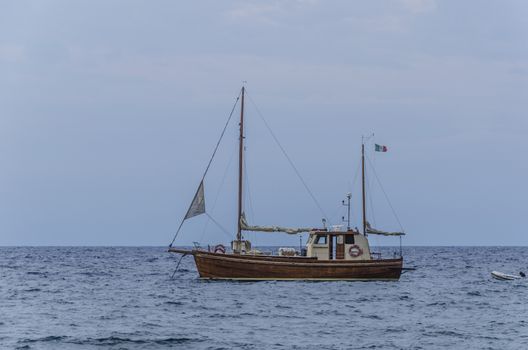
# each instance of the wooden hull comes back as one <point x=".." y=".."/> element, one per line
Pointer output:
<point x="255" y="268"/>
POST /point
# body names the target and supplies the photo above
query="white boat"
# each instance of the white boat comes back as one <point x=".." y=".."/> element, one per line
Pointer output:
<point x="504" y="276"/>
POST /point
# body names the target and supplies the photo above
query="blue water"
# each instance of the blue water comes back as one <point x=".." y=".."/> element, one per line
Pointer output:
<point x="123" y="298"/>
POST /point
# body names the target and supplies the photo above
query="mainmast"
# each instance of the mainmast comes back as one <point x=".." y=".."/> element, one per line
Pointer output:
<point x="240" y="170"/>
<point x="363" y="187"/>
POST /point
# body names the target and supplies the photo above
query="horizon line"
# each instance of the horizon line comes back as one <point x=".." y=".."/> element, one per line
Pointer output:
<point x="273" y="246"/>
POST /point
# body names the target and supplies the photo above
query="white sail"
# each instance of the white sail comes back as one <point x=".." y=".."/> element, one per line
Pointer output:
<point x="244" y="226"/>
<point x="198" y="204"/>
<point x="373" y="231"/>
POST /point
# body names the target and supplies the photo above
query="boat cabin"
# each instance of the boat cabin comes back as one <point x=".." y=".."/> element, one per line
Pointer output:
<point x="338" y="245"/>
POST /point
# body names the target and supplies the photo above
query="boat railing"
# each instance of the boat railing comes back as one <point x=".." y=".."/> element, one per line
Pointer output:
<point x="375" y="255"/>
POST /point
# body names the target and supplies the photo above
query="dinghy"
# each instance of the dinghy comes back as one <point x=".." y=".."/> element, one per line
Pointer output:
<point x="504" y="277"/>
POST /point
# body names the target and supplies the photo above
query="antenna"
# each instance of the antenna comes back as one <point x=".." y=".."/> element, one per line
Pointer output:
<point x="347" y="204"/>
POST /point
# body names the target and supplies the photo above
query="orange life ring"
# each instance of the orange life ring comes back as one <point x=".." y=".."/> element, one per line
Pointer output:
<point x="219" y="248"/>
<point x="355" y="251"/>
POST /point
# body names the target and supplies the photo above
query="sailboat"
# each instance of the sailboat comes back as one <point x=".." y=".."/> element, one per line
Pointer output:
<point x="330" y="253"/>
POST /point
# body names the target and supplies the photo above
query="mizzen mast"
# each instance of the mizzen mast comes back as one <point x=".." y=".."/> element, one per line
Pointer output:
<point x="240" y="172"/>
<point x="363" y="187"/>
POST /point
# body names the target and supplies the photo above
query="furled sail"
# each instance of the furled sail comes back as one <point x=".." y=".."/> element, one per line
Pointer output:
<point x="244" y="226"/>
<point x="373" y="231"/>
<point x="198" y="204"/>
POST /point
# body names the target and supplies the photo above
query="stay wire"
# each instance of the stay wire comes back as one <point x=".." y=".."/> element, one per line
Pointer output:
<point x="351" y="188"/>
<point x="370" y="202"/>
<point x="356" y="174"/>
<point x="217" y="224"/>
<point x="221" y="135"/>
<point x="248" y="191"/>
<point x="386" y="196"/>
<point x="371" y="150"/>
<point x="210" y="161"/>
<point x="288" y="159"/>
<point x="219" y="191"/>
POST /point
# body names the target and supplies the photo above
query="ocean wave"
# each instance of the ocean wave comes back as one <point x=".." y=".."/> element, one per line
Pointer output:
<point x="123" y="298"/>
<point x="112" y="340"/>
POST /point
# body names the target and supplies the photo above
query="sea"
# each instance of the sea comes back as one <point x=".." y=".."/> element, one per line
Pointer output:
<point x="124" y="298"/>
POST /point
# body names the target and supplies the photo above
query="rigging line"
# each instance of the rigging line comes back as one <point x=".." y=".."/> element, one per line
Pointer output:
<point x="219" y="226"/>
<point x="386" y="197"/>
<point x="339" y="213"/>
<point x="219" y="191"/>
<point x="355" y="176"/>
<point x="210" y="160"/>
<point x="371" y="152"/>
<point x="351" y="188"/>
<point x="370" y="201"/>
<point x="222" y="135"/>
<point x="250" y="198"/>
<point x="370" y="197"/>
<point x="178" y="265"/>
<point x="248" y="191"/>
<point x="288" y="158"/>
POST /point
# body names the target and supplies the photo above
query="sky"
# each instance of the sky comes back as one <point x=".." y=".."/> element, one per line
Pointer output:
<point x="110" y="110"/>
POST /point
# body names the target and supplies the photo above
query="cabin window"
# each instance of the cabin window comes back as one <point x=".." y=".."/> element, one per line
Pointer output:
<point x="349" y="239"/>
<point x="320" y="239"/>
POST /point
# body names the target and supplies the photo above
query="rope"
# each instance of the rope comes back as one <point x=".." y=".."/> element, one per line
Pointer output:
<point x="250" y="200"/>
<point x="178" y="265"/>
<point x="371" y="201"/>
<point x="210" y="160"/>
<point x="339" y="213"/>
<point x="386" y="197"/>
<point x="217" y="224"/>
<point x="289" y="159"/>
<point x="248" y="191"/>
<point x="218" y="192"/>
<point x="351" y="190"/>
<point x="221" y="135"/>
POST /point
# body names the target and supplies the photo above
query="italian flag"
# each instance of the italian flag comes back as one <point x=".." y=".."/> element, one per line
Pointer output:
<point x="380" y="148"/>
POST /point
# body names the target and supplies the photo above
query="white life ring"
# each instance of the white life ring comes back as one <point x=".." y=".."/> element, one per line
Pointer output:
<point x="355" y="251"/>
<point x="219" y="249"/>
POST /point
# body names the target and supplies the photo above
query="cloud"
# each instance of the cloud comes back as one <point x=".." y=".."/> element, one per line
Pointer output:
<point x="419" y="6"/>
